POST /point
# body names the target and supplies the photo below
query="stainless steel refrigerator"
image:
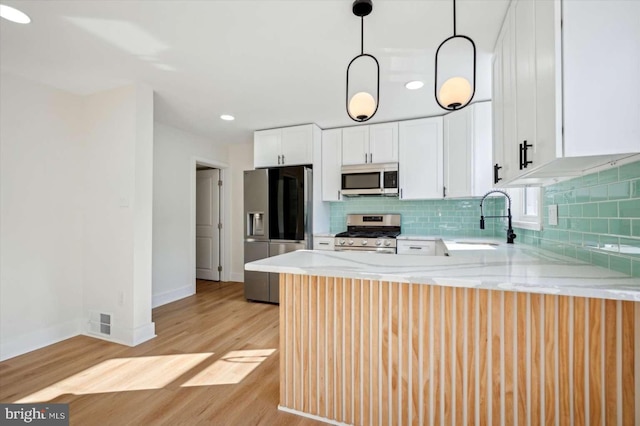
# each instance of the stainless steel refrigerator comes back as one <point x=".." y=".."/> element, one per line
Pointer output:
<point x="277" y="211"/>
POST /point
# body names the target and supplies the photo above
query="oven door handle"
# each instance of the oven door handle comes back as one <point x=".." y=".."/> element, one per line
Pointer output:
<point x="387" y="250"/>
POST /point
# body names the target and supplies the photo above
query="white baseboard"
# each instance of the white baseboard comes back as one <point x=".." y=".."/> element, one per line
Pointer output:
<point x="172" y="295"/>
<point x="143" y="333"/>
<point x="127" y="336"/>
<point x="237" y="277"/>
<point x="311" y="416"/>
<point x="13" y="347"/>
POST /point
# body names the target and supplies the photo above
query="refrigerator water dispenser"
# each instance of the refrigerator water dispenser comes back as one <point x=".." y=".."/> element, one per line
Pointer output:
<point x="255" y="224"/>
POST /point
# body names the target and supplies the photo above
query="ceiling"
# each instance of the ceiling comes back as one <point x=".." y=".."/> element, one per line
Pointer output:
<point x="268" y="63"/>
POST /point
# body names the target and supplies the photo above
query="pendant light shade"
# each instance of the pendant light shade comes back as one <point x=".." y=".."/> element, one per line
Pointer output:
<point x="455" y="74"/>
<point x="362" y="106"/>
<point x="361" y="103"/>
<point x="455" y="92"/>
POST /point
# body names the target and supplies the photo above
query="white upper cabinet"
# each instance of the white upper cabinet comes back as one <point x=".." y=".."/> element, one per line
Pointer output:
<point x="288" y="146"/>
<point x="376" y="143"/>
<point x="331" y="163"/>
<point x="601" y="83"/>
<point x="297" y="145"/>
<point x="383" y="143"/>
<point x="565" y="90"/>
<point x="467" y="151"/>
<point x="266" y="148"/>
<point x="355" y="145"/>
<point x="421" y="159"/>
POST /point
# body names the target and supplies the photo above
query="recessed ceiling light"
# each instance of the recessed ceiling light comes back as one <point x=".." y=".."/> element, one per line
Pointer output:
<point x="227" y="117"/>
<point x="413" y="85"/>
<point x="13" y="15"/>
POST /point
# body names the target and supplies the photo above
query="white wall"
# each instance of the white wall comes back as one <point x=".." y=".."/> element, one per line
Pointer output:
<point x="240" y="159"/>
<point x="117" y="204"/>
<point x="40" y="215"/>
<point x="173" y="162"/>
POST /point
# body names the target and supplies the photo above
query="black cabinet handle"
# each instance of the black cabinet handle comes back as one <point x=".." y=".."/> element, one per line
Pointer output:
<point x="521" y="156"/>
<point x="444" y="192"/>
<point x="496" y="173"/>
<point x="524" y="147"/>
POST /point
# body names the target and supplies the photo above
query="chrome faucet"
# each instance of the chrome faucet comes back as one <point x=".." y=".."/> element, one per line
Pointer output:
<point x="510" y="234"/>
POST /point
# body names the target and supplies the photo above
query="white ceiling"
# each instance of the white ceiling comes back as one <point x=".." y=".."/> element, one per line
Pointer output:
<point x="268" y="63"/>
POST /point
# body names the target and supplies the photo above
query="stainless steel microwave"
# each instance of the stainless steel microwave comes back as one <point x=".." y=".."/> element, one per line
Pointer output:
<point x="370" y="179"/>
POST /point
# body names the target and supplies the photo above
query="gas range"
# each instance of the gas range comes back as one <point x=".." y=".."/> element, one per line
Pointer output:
<point x="369" y="232"/>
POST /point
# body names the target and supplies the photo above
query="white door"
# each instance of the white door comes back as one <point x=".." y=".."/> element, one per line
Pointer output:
<point x="207" y="219"/>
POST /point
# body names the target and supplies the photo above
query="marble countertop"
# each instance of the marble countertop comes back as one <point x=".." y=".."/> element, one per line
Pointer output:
<point x="471" y="263"/>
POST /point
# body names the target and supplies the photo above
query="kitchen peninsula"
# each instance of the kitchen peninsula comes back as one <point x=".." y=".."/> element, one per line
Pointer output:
<point x="492" y="333"/>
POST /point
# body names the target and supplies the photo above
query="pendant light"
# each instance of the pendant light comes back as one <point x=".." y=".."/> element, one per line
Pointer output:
<point x="363" y="105"/>
<point x="456" y="92"/>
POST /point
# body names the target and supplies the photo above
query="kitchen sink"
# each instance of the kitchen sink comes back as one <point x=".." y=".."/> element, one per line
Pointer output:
<point x="479" y="243"/>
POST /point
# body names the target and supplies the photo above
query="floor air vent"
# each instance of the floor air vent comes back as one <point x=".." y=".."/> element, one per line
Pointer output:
<point x="100" y="323"/>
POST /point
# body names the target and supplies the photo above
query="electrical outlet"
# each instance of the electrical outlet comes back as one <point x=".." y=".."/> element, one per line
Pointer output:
<point x="553" y="214"/>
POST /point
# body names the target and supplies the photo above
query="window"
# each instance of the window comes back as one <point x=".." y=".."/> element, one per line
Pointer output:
<point x="530" y="202"/>
<point x="526" y="207"/>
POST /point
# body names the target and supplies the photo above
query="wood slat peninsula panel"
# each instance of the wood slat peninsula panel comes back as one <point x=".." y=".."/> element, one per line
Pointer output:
<point x="378" y="353"/>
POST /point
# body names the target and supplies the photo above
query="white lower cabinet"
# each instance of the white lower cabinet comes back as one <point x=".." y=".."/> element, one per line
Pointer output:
<point x="323" y="243"/>
<point x="421" y="247"/>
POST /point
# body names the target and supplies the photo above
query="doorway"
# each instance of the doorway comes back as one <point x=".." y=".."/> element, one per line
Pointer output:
<point x="208" y="223"/>
<point x="224" y="218"/>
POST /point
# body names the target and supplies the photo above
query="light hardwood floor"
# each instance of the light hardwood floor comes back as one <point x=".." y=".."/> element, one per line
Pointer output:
<point x="166" y="380"/>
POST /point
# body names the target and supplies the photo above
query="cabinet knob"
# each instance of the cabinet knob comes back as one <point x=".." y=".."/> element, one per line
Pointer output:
<point x="278" y="159"/>
<point x="282" y="158"/>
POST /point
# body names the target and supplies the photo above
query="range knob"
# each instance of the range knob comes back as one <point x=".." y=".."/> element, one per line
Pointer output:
<point x="379" y="242"/>
<point x="365" y="242"/>
<point x="342" y="242"/>
<point x="350" y="242"/>
<point x="387" y="243"/>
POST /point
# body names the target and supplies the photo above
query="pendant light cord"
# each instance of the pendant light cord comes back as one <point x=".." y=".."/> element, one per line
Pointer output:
<point x="362" y="35"/>
<point x="454" y="17"/>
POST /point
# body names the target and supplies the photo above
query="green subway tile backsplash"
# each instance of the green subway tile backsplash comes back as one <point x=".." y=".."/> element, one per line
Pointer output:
<point x="607" y="176"/>
<point x="426" y="217"/>
<point x="618" y="191"/>
<point x="630" y="171"/>
<point x="598" y="219"/>
<point x="630" y="208"/>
